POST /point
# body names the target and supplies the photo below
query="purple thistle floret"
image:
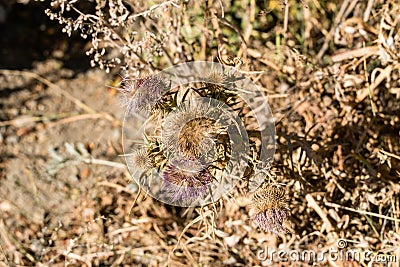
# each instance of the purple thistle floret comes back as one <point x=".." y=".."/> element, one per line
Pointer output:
<point x="272" y="220"/>
<point x="187" y="180"/>
<point x="271" y="208"/>
<point x="143" y="94"/>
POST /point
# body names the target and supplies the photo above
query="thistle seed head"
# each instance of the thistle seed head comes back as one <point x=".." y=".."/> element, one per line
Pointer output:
<point x="141" y="159"/>
<point x="190" y="132"/>
<point x="187" y="180"/>
<point x="191" y="138"/>
<point x="143" y="94"/>
<point x="270" y="208"/>
<point x="216" y="79"/>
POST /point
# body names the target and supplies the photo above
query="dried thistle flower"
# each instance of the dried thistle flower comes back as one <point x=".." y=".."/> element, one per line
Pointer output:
<point x="186" y="132"/>
<point x="143" y="94"/>
<point x="218" y="85"/>
<point x="141" y="159"/>
<point x="187" y="180"/>
<point x="270" y="208"/>
<point x="191" y="138"/>
<point x="216" y="79"/>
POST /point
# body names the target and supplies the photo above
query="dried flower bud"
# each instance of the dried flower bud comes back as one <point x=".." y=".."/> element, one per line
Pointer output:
<point x="141" y="159"/>
<point x="270" y="208"/>
<point x="215" y="80"/>
<point x="187" y="180"/>
<point x="218" y="84"/>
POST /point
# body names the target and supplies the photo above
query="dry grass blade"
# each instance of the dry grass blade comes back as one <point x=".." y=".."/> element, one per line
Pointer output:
<point x="313" y="204"/>
<point x="328" y="38"/>
<point x="359" y="52"/>
<point x="194" y="221"/>
<point x="384" y="74"/>
<point x="363" y="212"/>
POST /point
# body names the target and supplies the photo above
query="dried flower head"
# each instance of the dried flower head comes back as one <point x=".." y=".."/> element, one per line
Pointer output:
<point x="270" y="208"/>
<point x="141" y="159"/>
<point x="219" y="85"/>
<point x="190" y="133"/>
<point x="192" y="136"/>
<point x="143" y="94"/>
<point x="187" y="180"/>
<point x="216" y="79"/>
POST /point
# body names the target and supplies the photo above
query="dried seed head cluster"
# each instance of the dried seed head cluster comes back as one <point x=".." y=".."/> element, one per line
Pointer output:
<point x="270" y="208"/>
<point x="118" y="40"/>
<point x="217" y="82"/>
<point x="194" y="135"/>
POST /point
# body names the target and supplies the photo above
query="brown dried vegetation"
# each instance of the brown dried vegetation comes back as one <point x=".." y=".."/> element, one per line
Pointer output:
<point x="330" y="70"/>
